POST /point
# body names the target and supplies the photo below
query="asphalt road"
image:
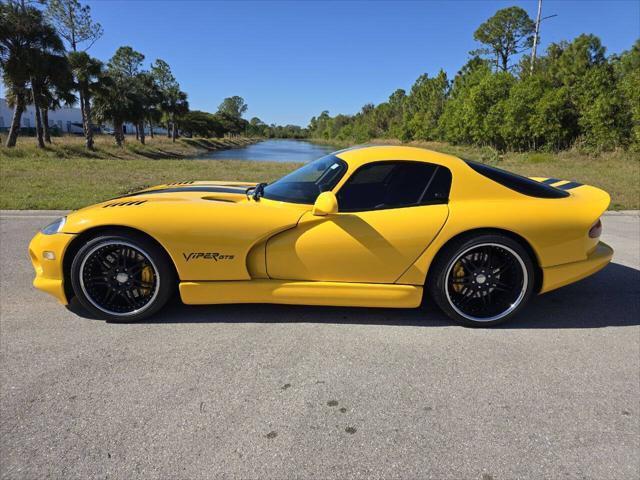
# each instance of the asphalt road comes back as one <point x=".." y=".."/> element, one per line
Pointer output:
<point x="306" y="392"/>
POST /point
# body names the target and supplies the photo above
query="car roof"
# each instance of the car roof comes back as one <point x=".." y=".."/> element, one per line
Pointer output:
<point x="362" y="154"/>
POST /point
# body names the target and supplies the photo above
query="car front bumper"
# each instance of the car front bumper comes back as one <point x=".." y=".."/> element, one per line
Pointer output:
<point x="561" y="275"/>
<point x="49" y="271"/>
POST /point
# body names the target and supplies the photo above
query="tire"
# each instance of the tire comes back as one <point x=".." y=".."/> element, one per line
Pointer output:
<point x="122" y="277"/>
<point x="483" y="280"/>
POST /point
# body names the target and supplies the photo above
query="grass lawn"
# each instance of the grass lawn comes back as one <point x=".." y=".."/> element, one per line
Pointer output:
<point x="64" y="176"/>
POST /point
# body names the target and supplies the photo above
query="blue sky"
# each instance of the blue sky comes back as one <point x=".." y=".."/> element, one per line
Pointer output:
<point x="291" y="60"/>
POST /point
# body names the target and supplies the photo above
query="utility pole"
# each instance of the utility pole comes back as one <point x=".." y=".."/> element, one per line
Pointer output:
<point x="536" y="37"/>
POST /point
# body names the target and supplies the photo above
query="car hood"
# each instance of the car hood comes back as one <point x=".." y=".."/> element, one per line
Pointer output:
<point x="178" y="192"/>
<point x="196" y="201"/>
<point x="196" y="186"/>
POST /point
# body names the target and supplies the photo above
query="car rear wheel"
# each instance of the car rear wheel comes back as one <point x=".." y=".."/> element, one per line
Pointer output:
<point x="482" y="281"/>
<point x="122" y="277"/>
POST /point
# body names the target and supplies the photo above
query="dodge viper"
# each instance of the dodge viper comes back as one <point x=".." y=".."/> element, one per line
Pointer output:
<point x="373" y="226"/>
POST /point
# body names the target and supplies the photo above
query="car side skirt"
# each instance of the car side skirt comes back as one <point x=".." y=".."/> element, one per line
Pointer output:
<point x="302" y="293"/>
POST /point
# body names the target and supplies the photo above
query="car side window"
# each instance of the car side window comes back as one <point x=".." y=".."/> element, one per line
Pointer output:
<point x="397" y="184"/>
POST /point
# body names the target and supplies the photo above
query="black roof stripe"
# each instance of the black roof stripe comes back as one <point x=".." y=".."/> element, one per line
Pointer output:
<point x="549" y="181"/>
<point x="569" y="186"/>
<point x="517" y="183"/>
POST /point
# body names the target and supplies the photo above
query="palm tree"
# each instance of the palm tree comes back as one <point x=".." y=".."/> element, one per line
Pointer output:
<point x="147" y="97"/>
<point x="17" y="99"/>
<point x="168" y="86"/>
<point x="55" y="88"/>
<point x="14" y="42"/>
<point x="89" y="73"/>
<point x="119" y="100"/>
<point x="174" y="105"/>
<point x="44" y="58"/>
<point x="28" y="50"/>
<point x="112" y="103"/>
<point x="74" y="24"/>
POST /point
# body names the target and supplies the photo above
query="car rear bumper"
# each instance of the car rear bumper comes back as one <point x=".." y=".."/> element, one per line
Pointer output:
<point x="49" y="272"/>
<point x="561" y="275"/>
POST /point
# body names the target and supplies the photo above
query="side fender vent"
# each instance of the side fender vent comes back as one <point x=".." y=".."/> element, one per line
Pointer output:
<point x="125" y="204"/>
<point x="181" y="183"/>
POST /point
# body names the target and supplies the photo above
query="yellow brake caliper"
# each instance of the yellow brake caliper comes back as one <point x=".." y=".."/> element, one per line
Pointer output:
<point x="147" y="277"/>
<point x="458" y="272"/>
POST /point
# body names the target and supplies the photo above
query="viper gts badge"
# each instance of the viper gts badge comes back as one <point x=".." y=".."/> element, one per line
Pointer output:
<point x="206" y="256"/>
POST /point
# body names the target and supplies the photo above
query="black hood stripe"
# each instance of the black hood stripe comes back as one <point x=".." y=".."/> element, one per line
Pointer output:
<point x="549" y="181"/>
<point x="194" y="188"/>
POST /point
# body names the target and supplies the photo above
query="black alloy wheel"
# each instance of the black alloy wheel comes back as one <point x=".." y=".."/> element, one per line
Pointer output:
<point x="122" y="278"/>
<point x="483" y="281"/>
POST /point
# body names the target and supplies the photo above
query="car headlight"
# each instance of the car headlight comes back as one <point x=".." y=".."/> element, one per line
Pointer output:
<point x="55" y="226"/>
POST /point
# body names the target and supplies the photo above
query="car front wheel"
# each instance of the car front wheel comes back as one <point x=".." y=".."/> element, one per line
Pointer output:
<point x="122" y="277"/>
<point x="482" y="281"/>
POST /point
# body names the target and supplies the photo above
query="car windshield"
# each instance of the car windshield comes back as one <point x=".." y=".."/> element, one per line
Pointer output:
<point x="306" y="183"/>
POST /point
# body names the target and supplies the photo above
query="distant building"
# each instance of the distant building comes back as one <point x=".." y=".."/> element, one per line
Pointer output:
<point x="66" y="120"/>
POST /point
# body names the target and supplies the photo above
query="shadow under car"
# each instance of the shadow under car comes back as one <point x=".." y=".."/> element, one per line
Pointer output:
<point x="610" y="298"/>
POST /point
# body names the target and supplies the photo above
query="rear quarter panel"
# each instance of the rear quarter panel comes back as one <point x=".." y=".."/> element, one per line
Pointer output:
<point x="556" y="229"/>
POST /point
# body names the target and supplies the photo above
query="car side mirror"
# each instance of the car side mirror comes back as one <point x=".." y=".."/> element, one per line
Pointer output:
<point x="326" y="204"/>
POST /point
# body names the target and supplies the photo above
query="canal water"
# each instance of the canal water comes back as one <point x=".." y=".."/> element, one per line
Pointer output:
<point x="274" y="151"/>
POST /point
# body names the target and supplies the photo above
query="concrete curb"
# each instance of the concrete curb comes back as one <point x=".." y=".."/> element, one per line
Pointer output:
<point x="33" y="213"/>
<point x="631" y="213"/>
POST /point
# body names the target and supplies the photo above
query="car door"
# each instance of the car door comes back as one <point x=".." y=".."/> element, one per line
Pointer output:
<point x="389" y="212"/>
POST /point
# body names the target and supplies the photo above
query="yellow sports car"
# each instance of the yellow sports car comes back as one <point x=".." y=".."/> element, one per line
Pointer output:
<point x="375" y="226"/>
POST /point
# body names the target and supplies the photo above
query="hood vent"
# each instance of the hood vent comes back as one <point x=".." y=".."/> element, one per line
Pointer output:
<point x="219" y="199"/>
<point x="180" y="183"/>
<point x="125" y="204"/>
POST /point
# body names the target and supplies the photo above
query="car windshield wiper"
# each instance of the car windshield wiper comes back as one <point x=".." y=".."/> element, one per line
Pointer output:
<point x="258" y="190"/>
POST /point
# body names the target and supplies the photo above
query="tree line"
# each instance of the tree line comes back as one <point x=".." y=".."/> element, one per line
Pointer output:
<point x="228" y="120"/>
<point x="44" y="62"/>
<point x="573" y="95"/>
<point x="43" y="66"/>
